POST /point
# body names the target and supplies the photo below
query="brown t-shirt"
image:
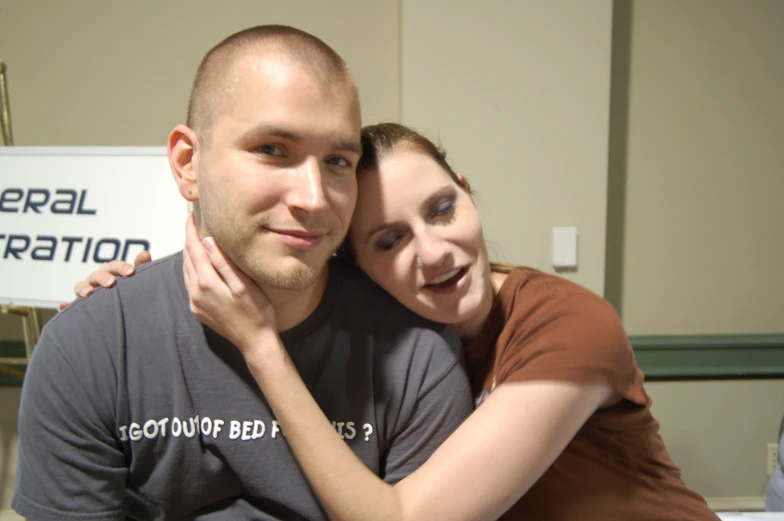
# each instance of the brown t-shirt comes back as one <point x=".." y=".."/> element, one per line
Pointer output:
<point x="543" y="327"/>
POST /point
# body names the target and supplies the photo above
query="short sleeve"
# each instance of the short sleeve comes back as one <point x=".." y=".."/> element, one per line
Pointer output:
<point x="70" y="464"/>
<point x="574" y="337"/>
<point x="443" y="402"/>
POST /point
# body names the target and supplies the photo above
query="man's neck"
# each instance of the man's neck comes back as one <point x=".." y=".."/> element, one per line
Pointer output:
<point x="292" y="307"/>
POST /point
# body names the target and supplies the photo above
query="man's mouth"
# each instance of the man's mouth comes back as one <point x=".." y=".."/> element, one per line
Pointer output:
<point x="299" y="238"/>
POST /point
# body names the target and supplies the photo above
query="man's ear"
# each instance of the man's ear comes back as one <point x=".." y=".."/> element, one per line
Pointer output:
<point x="183" y="160"/>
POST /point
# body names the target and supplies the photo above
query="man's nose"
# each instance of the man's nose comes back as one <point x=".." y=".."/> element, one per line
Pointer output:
<point x="306" y="192"/>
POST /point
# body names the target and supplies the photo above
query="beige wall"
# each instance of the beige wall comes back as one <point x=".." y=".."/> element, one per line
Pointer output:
<point x="518" y="93"/>
<point x="717" y="432"/>
<point x="90" y="72"/>
<point x="703" y="244"/>
<point x="696" y="245"/>
<point x="9" y="405"/>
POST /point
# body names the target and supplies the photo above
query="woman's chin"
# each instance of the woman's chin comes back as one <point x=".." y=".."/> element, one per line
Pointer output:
<point x="463" y="311"/>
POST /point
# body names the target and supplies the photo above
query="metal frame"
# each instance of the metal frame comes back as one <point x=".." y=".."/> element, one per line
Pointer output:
<point x="5" y="108"/>
<point x="31" y="317"/>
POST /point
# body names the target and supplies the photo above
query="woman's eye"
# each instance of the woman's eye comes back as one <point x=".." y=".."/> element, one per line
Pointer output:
<point x="444" y="207"/>
<point x="388" y="242"/>
<point x="270" y="150"/>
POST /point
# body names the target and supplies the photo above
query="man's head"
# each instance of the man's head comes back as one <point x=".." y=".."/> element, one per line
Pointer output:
<point x="269" y="153"/>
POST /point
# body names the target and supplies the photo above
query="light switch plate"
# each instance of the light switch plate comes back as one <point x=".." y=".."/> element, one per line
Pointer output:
<point x="564" y="247"/>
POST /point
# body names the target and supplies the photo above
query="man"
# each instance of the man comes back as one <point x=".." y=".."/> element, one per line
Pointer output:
<point x="132" y="408"/>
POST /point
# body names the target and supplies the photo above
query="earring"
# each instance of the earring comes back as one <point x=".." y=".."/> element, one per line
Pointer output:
<point x="190" y="192"/>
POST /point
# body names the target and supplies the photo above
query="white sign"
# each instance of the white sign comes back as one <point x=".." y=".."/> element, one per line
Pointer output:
<point x="66" y="210"/>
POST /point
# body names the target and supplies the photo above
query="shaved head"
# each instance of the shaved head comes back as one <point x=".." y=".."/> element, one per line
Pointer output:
<point x="217" y="75"/>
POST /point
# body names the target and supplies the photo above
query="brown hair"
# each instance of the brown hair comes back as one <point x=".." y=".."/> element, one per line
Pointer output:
<point x="215" y="76"/>
<point x="382" y="139"/>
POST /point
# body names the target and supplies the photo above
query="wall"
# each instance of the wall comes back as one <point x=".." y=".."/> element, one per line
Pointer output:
<point x="717" y="433"/>
<point x="694" y="216"/>
<point x="89" y="72"/>
<point x="518" y="93"/>
<point x="9" y="405"/>
<point x="704" y="165"/>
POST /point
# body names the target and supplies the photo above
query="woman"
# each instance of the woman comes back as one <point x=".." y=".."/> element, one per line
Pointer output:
<point x="562" y="429"/>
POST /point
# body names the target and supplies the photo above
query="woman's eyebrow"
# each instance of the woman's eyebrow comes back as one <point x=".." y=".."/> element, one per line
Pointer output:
<point x="434" y="196"/>
<point x="377" y="229"/>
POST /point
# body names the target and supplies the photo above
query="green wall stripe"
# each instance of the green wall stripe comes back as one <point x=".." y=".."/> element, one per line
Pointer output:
<point x="685" y="357"/>
<point x="652" y="342"/>
<point x="661" y="357"/>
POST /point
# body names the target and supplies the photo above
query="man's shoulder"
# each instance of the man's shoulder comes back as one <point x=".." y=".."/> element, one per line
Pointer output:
<point x="147" y="297"/>
<point x="149" y="279"/>
<point x="369" y="301"/>
<point x="162" y="276"/>
<point x="395" y="329"/>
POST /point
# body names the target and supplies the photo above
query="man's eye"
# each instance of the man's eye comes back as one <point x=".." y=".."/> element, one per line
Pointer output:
<point x="339" y="161"/>
<point x="270" y="150"/>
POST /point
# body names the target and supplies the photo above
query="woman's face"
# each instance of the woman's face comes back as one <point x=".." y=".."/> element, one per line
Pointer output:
<point x="417" y="234"/>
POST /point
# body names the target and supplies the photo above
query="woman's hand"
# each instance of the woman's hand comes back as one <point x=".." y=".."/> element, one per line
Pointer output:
<point x="221" y="296"/>
<point x="106" y="276"/>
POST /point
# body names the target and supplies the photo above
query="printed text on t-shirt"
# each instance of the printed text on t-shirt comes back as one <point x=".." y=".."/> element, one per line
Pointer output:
<point x="244" y="430"/>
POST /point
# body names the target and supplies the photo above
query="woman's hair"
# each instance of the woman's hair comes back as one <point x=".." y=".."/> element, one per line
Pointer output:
<point x="379" y="140"/>
<point x="384" y="138"/>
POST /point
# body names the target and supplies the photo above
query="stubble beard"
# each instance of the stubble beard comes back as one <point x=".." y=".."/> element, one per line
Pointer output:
<point x="238" y="242"/>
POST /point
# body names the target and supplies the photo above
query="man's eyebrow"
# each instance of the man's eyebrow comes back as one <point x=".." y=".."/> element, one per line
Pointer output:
<point x="347" y="145"/>
<point x="270" y="130"/>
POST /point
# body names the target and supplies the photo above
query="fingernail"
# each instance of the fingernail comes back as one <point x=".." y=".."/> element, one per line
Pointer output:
<point x="209" y="243"/>
<point x="84" y="292"/>
<point x="126" y="270"/>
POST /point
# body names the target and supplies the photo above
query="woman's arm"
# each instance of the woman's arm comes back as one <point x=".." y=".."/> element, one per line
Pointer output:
<point x="480" y="471"/>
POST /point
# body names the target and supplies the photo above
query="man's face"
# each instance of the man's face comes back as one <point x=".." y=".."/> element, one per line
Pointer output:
<point x="277" y="178"/>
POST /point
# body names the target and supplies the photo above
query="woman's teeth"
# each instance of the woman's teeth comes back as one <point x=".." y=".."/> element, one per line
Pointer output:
<point x="446" y="276"/>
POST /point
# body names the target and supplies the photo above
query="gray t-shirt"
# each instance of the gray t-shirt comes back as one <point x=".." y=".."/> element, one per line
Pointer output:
<point x="131" y="408"/>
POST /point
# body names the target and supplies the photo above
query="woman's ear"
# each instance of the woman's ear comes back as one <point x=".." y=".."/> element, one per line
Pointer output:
<point x="183" y="160"/>
<point x="464" y="182"/>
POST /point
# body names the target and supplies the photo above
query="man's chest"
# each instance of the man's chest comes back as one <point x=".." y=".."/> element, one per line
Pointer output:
<point x="197" y="434"/>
